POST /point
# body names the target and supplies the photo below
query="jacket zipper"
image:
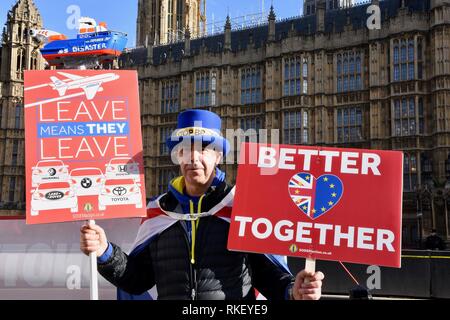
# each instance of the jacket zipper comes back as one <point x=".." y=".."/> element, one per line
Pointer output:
<point x="191" y="269"/>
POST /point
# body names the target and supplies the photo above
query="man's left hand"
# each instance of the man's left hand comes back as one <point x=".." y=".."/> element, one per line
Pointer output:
<point x="308" y="286"/>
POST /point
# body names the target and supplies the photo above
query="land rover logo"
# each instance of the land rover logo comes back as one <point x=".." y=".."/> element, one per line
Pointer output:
<point x="119" y="191"/>
<point x="51" y="172"/>
<point x="86" y="183"/>
<point x="54" y="195"/>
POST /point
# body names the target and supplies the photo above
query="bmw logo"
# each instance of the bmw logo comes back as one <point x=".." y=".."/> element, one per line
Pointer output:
<point x="86" y="183"/>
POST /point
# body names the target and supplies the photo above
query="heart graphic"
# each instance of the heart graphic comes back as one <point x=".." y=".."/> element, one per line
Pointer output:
<point x="315" y="196"/>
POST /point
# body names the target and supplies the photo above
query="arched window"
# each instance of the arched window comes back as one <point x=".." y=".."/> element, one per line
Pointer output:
<point x="410" y="172"/>
<point x="18" y="117"/>
<point x="34" y="61"/>
<point x="447" y="166"/>
<point x="20" y="63"/>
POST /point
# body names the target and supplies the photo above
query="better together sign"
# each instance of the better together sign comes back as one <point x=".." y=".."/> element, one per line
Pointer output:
<point x="319" y="203"/>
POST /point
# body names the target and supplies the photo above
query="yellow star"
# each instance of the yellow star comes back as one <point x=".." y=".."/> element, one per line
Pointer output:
<point x="307" y="178"/>
<point x="297" y="192"/>
<point x="314" y="211"/>
<point x="330" y="203"/>
<point x="305" y="207"/>
<point x="334" y="194"/>
<point x="325" y="179"/>
<point x="323" y="209"/>
<point x="332" y="186"/>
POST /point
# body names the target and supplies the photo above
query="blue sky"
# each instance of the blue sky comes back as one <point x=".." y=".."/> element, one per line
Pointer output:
<point x="122" y="17"/>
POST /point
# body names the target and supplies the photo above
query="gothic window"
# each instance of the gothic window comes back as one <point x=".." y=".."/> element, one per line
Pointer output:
<point x="170" y="96"/>
<point x="405" y="114"/>
<point x="295" y="128"/>
<point x="34" y="61"/>
<point x="180" y="12"/>
<point x="293" y="76"/>
<point x="21" y="63"/>
<point x="404" y="57"/>
<point x="15" y="152"/>
<point x="409" y="172"/>
<point x="164" y="134"/>
<point x="251" y="85"/>
<point x="426" y="168"/>
<point x="18" y="118"/>
<point x="202" y="89"/>
<point x="165" y="176"/>
<point x="349" y="71"/>
<point x="419" y="58"/>
<point x="447" y="166"/>
<point x="349" y="124"/>
<point x="305" y="76"/>
<point x="12" y="189"/>
<point x="255" y="124"/>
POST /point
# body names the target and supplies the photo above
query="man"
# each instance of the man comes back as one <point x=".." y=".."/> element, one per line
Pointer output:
<point x="181" y="249"/>
<point x="434" y="242"/>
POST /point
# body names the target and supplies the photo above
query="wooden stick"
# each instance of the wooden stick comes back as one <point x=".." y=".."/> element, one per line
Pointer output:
<point x="93" y="269"/>
<point x="310" y="266"/>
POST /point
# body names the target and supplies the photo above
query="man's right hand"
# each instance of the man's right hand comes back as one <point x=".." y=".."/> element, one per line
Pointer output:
<point x="93" y="239"/>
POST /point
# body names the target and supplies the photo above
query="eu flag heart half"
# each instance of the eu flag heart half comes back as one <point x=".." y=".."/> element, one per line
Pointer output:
<point x="315" y="196"/>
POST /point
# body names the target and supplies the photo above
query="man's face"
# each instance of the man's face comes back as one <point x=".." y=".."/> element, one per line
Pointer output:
<point x="198" y="162"/>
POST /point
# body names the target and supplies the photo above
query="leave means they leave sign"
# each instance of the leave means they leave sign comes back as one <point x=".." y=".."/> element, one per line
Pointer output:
<point x="83" y="146"/>
<point x="319" y="203"/>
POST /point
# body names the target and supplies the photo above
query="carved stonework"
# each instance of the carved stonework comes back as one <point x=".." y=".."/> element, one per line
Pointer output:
<point x="16" y="54"/>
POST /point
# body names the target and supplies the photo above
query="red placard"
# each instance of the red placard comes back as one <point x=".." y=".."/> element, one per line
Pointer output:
<point x="83" y="146"/>
<point x="319" y="203"/>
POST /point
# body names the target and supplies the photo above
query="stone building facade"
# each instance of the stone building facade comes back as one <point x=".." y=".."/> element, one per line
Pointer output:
<point x="165" y="21"/>
<point x="18" y="53"/>
<point x="321" y="79"/>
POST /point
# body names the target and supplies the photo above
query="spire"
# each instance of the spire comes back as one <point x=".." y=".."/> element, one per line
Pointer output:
<point x="272" y="18"/>
<point x="228" y="23"/>
<point x="227" y="34"/>
<point x="272" y="15"/>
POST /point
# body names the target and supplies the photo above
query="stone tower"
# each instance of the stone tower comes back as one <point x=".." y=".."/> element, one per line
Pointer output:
<point x="309" y="6"/>
<point x="164" y="21"/>
<point x="18" y="53"/>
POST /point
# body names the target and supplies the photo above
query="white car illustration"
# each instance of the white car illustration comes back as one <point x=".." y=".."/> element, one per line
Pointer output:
<point x="120" y="192"/>
<point x="120" y="168"/>
<point x="87" y="181"/>
<point x="49" y="171"/>
<point x="53" y="196"/>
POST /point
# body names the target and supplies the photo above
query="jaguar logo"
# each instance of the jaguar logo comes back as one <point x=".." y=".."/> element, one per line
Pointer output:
<point x="88" y="207"/>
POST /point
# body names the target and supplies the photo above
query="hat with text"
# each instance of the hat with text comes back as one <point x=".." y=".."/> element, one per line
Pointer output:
<point x="199" y="125"/>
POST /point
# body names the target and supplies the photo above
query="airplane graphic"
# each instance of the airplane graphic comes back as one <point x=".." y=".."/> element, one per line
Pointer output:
<point x="90" y="85"/>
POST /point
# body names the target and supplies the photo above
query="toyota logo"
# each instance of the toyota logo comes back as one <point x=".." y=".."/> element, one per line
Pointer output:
<point x="119" y="191"/>
<point x="86" y="183"/>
